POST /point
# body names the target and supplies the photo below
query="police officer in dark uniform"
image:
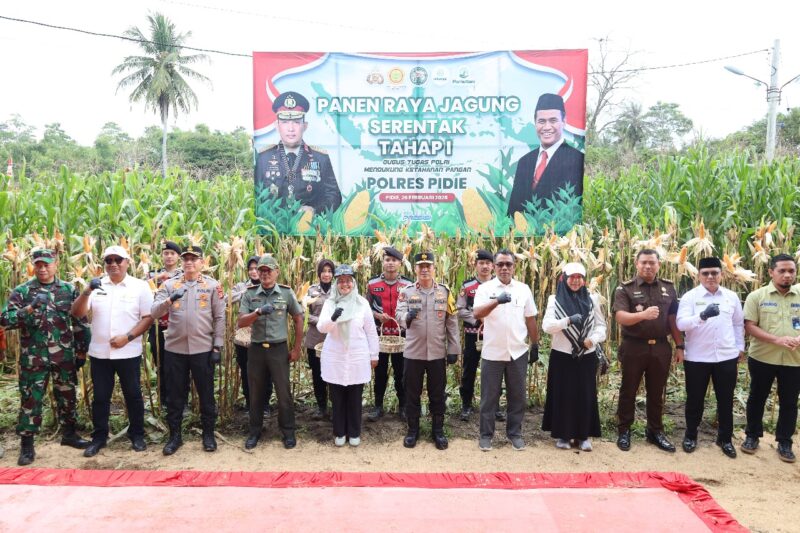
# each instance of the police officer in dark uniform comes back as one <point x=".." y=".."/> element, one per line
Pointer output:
<point x="266" y="309"/>
<point x="292" y="169"/>
<point x="646" y="308"/>
<point x="484" y="266"/>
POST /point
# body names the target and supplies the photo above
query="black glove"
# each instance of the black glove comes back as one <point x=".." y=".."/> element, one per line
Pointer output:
<point x="336" y="314"/>
<point x="576" y="319"/>
<point x="40" y="300"/>
<point x="708" y="312"/>
<point x="216" y="356"/>
<point x="95" y="284"/>
<point x="412" y="314"/>
<point x="503" y="298"/>
<point x="79" y="363"/>
<point x="177" y="294"/>
<point x="533" y="353"/>
<point x="452" y="358"/>
<point x="266" y="309"/>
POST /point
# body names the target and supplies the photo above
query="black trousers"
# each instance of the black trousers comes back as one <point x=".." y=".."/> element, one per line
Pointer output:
<point x="179" y="368"/>
<point x="155" y="339"/>
<point x="762" y="375"/>
<point x="346" y="415"/>
<point x="472" y="358"/>
<point x="723" y="374"/>
<point x="263" y="364"/>
<point x="129" y="373"/>
<point x="382" y="377"/>
<point x="320" y="387"/>
<point x="241" y="360"/>
<point x="415" y="371"/>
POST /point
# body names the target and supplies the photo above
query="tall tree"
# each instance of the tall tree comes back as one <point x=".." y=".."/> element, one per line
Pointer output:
<point x="159" y="78"/>
<point x="630" y="127"/>
<point x="611" y="72"/>
<point x="666" y="125"/>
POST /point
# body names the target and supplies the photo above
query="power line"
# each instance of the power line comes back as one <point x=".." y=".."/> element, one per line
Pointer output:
<point x="235" y="54"/>
<point x="123" y="37"/>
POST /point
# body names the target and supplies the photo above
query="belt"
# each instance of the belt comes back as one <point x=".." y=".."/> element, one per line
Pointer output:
<point x="269" y="344"/>
<point x="648" y="341"/>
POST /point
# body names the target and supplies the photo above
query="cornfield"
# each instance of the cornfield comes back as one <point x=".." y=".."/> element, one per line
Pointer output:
<point x="685" y="207"/>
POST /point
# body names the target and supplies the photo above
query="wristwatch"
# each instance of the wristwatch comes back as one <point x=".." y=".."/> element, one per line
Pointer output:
<point x="130" y="337"/>
<point x="680" y="346"/>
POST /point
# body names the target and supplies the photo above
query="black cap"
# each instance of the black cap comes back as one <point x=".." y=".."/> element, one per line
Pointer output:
<point x="550" y="101"/>
<point x="170" y="245"/>
<point x="424" y="257"/>
<point x="484" y="254"/>
<point x="192" y="250"/>
<point x="394" y="252"/>
<point x="709" y="262"/>
<point x="290" y="105"/>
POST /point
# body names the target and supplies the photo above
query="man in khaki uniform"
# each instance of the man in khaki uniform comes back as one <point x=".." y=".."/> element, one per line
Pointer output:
<point x="267" y="309"/>
<point x="193" y="344"/>
<point x="772" y="319"/>
<point x="427" y="312"/>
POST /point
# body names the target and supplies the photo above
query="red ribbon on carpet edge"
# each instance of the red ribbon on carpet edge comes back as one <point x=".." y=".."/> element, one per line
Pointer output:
<point x="693" y="494"/>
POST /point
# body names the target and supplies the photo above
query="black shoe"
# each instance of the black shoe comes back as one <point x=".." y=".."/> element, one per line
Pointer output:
<point x="500" y="416"/>
<point x="440" y="441"/>
<point x="26" y="452"/>
<point x="689" y="444"/>
<point x="466" y="412"/>
<point x="209" y="442"/>
<point x="785" y="452"/>
<point x="94" y="447"/>
<point x="289" y="442"/>
<point x="175" y="441"/>
<point x="375" y="413"/>
<point x="72" y="439"/>
<point x="660" y="440"/>
<point x="319" y="413"/>
<point x="410" y="439"/>
<point x="727" y="449"/>
<point x="624" y="440"/>
<point x="749" y="445"/>
<point x="138" y="444"/>
<point x="252" y="441"/>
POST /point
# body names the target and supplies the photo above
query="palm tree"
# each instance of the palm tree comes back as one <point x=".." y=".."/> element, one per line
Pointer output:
<point x="160" y="76"/>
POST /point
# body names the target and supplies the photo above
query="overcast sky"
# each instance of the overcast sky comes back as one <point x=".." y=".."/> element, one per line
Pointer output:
<point x="50" y="75"/>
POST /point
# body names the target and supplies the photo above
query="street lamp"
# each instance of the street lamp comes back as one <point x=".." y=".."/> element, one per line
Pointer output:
<point x="773" y="96"/>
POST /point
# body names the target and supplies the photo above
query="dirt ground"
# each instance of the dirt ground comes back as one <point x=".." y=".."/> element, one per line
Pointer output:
<point x="760" y="491"/>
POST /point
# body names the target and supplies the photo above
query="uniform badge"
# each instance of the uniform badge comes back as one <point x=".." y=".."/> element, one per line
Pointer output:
<point x="440" y="314"/>
<point x="639" y="308"/>
<point x="219" y="291"/>
<point x="203" y="303"/>
<point x="273" y="190"/>
<point x="274" y="161"/>
<point x="176" y="305"/>
<point x="309" y="188"/>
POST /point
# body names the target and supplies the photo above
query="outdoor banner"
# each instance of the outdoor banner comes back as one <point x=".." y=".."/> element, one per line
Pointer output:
<point x="461" y="142"/>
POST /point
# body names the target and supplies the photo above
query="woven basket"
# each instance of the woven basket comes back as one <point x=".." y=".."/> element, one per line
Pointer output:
<point x="242" y="337"/>
<point x="479" y="340"/>
<point x="391" y="343"/>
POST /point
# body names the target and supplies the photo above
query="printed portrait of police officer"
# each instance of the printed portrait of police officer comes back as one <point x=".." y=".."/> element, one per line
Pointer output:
<point x="292" y="169"/>
<point x="542" y="172"/>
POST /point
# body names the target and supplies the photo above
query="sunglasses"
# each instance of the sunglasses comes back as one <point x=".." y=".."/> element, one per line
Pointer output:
<point x="112" y="260"/>
<point x="710" y="274"/>
<point x="506" y="264"/>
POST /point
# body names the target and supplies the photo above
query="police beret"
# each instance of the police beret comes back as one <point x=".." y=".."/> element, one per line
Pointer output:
<point x="485" y="254"/>
<point x="424" y="257"/>
<point x="192" y="250"/>
<point x="290" y="105"/>
<point x="170" y="245"/>
<point x="709" y="262"/>
<point x="550" y="101"/>
<point x="45" y="255"/>
<point x="393" y="252"/>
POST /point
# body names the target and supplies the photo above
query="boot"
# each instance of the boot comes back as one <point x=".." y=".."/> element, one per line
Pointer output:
<point x="71" y="438"/>
<point x="209" y="442"/>
<point x="26" y="451"/>
<point x="438" y="433"/>
<point x="175" y="441"/>
<point x="411" y="437"/>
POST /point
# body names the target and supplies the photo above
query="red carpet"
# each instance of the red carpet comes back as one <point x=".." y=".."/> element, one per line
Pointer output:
<point x="71" y="500"/>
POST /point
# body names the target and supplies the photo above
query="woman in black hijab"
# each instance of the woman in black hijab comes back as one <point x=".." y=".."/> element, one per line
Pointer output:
<point x="577" y="324"/>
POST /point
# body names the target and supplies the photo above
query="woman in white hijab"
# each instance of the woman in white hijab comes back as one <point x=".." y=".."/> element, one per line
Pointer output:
<point x="348" y="354"/>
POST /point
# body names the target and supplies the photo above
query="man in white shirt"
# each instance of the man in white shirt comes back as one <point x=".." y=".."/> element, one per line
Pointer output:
<point x="713" y="320"/>
<point x="508" y="312"/>
<point x="120" y="314"/>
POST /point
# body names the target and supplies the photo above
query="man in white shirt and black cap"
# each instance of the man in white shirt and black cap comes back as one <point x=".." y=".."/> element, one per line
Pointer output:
<point x="510" y="340"/>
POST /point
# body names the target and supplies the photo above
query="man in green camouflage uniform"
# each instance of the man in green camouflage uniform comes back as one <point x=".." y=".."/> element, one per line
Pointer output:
<point x="53" y="345"/>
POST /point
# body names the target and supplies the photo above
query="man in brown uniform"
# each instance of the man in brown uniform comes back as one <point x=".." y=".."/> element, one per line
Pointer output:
<point x="427" y="312"/>
<point x="645" y="307"/>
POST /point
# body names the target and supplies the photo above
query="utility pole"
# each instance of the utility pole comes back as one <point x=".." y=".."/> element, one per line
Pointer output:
<point x="773" y="99"/>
